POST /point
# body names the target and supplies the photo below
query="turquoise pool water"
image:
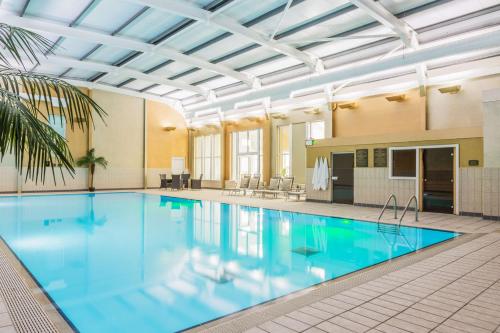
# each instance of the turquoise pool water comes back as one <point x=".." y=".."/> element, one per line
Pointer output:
<point x="130" y="262"/>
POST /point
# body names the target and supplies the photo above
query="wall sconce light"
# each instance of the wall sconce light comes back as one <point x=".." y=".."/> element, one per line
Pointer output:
<point x="450" y="90"/>
<point x="312" y="111"/>
<point x="211" y="126"/>
<point x="351" y="105"/>
<point x="255" y="119"/>
<point x="397" y="98"/>
<point x="279" y="116"/>
<point x="169" y="128"/>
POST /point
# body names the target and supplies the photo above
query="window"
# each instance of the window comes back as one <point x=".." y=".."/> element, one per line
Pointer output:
<point x="247" y="153"/>
<point x="315" y="130"/>
<point x="207" y="156"/>
<point x="206" y="226"/>
<point x="404" y="163"/>
<point x="58" y="124"/>
<point x="284" y="150"/>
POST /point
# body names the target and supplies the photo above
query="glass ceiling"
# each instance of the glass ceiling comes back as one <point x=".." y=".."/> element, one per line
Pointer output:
<point x="225" y="46"/>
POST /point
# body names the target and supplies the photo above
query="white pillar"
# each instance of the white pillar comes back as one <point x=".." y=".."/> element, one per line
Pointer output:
<point x="491" y="128"/>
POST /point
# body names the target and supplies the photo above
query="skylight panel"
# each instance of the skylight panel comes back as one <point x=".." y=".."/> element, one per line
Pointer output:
<point x="74" y="48"/>
<point x="150" y="25"/>
<point x="100" y="20"/>
<point x="56" y="10"/>
<point x="108" y="54"/>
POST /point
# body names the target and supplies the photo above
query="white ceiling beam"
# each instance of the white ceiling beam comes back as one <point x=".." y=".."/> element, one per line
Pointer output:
<point x="401" y="28"/>
<point x="187" y="9"/>
<point x="334" y="39"/>
<point x="122" y="42"/>
<point x="452" y="47"/>
<point x="139" y="58"/>
<point x="385" y="17"/>
<point x="99" y="86"/>
<point x="132" y="73"/>
<point x="282" y="17"/>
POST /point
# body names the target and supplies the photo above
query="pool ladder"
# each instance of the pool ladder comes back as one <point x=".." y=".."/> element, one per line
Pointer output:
<point x="389" y="228"/>
<point x="413" y="198"/>
<point x="395" y="207"/>
<point x="391" y="197"/>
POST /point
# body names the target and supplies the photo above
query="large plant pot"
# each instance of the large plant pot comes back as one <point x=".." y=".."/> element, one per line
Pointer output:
<point x="91" y="189"/>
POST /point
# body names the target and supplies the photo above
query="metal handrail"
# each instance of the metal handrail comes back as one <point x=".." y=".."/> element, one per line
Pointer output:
<point x="406" y="208"/>
<point x="392" y="196"/>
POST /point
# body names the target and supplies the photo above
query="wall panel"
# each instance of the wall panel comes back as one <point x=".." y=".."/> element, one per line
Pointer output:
<point x="120" y="141"/>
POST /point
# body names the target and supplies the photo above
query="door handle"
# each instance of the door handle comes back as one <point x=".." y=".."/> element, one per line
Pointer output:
<point x="335" y="178"/>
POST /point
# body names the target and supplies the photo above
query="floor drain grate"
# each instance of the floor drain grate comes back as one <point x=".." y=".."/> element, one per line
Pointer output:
<point x="26" y="313"/>
<point x="305" y="251"/>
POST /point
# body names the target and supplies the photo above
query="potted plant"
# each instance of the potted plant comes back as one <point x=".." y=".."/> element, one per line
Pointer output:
<point x="90" y="161"/>
<point x="23" y="131"/>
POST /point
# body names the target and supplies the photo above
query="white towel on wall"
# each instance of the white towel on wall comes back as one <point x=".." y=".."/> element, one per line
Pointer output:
<point x="321" y="174"/>
<point x="324" y="175"/>
<point x="315" y="176"/>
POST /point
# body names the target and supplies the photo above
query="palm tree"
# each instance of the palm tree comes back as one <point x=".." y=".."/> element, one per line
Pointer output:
<point x="28" y="100"/>
<point x="90" y="161"/>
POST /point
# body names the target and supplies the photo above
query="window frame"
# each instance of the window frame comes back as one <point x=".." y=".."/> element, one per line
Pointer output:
<point x="308" y="130"/>
<point x="201" y="154"/>
<point x="391" y="165"/>
<point x="236" y="154"/>
<point x="57" y="122"/>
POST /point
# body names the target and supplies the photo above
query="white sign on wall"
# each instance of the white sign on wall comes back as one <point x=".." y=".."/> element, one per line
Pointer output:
<point x="178" y="165"/>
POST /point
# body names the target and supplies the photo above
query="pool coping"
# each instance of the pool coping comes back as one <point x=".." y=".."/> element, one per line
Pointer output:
<point x="50" y="319"/>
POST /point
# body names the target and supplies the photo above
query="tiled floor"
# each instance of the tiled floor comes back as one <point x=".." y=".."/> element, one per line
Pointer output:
<point x="448" y="288"/>
<point x="455" y="291"/>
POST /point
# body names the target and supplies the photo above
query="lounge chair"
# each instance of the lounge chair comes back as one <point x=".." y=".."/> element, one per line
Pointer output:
<point x="243" y="185"/>
<point x="274" y="185"/>
<point x="196" y="183"/>
<point x="284" y="187"/>
<point x="253" y="185"/>
<point x="176" y="182"/>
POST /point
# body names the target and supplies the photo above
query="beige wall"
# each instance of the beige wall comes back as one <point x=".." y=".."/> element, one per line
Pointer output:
<point x="162" y="145"/>
<point x="298" y="160"/>
<point x="470" y="141"/>
<point x="120" y="141"/>
<point x="375" y="115"/>
<point x="492" y="131"/>
<point x="298" y="117"/>
<point x="463" y="109"/>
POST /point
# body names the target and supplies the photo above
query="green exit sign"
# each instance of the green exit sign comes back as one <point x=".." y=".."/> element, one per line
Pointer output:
<point x="310" y="143"/>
